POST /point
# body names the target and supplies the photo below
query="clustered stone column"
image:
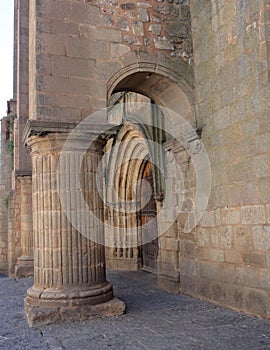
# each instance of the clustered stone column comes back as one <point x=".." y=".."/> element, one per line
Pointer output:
<point x="69" y="267"/>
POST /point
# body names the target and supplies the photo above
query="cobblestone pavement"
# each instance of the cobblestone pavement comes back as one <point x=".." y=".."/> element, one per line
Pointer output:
<point x="154" y="320"/>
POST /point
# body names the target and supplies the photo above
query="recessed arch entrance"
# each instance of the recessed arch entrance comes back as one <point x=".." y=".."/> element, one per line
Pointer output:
<point x="153" y="86"/>
<point x="167" y="85"/>
<point x="126" y="156"/>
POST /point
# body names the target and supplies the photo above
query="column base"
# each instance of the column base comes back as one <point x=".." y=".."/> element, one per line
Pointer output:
<point x="24" y="267"/>
<point x="50" y="306"/>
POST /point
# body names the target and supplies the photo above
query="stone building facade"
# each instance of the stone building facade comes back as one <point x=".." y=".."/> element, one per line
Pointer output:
<point x="141" y="140"/>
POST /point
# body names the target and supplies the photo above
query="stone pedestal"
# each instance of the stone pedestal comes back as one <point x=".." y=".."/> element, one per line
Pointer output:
<point x="69" y="260"/>
<point x="25" y="263"/>
<point x="24" y="266"/>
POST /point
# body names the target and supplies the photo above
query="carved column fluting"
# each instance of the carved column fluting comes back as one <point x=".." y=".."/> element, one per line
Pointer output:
<point x="25" y="263"/>
<point x="70" y="277"/>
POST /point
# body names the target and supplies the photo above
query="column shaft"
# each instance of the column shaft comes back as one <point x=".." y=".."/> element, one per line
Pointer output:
<point x="70" y="279"/>
<point x="25" y="263"/>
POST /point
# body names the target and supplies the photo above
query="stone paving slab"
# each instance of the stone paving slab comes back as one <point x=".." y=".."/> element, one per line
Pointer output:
<point x="154" y="320"/>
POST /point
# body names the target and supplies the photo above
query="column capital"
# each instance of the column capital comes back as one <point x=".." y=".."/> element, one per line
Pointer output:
<point x="42" y="128"/>
<point x="80" y="136"/>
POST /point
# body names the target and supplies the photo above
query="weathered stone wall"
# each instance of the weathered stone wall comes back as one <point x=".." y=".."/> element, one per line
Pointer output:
<point x="5" y="187"/>
<point x="227" y="259"/>
<point x="76" y="47"/>
<point x="81" y="52"/>
<point x="22" y="161"/>
<point x="265" y="34"/>
<point x="14" y="225"/>
<point x="20" y="195"/>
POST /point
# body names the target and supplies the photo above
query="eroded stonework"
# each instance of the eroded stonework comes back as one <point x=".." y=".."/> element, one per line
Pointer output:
<point x="200" y="68"/>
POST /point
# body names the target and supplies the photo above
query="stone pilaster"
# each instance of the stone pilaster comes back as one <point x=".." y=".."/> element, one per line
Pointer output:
<point x="69" y="260"/>
<point x="25" y="263"/>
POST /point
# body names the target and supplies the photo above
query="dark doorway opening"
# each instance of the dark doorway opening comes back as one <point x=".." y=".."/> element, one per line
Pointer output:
<point x="148" y="213"/>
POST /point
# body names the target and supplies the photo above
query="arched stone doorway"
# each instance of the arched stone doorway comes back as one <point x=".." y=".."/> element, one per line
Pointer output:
<point x="129" y="188"/>
<point x="162" y="87"/>
<point x="130" y="210"/>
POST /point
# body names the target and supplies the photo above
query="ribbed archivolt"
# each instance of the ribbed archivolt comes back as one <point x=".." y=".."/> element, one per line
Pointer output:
<point x="125" y="161"/>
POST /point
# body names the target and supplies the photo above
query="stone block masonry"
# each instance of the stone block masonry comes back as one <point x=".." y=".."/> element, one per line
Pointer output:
<point x="206" y="61"/>
<point x="5" y="186"/>
<point x="232" y="86"/>
<point x="76" y="46"/>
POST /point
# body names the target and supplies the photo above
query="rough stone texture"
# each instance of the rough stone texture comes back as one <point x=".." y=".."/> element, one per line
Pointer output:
<point x="20" y="207"/>
<point x="14" y="225"/>
<point x="153" y="320"/>
<point x="208" y="61"/>
<point x="5" y="185"/>
<point x="66" y="49"/>
<point x="22" y="161"/>
<point x="25" y="262"/>
<point x="232" y="87"/>
<point x="40" y="315"/>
